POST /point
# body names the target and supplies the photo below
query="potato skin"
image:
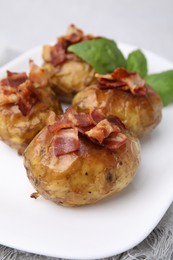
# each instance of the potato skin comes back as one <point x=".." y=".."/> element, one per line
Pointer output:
<point x="69" y="78"/>
<point x="18" y="130"/>
<point x="81" y="177"/>
<point x="140" y="114"/>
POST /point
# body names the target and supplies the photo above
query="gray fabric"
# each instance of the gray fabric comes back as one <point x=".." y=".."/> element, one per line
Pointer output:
<point x="157" y="246"/>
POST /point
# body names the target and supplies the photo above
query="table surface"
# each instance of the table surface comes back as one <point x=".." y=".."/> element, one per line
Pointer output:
<point x="25" y="24"/>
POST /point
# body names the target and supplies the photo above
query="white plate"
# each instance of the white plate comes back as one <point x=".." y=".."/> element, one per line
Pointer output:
<point x="101" y="230"/>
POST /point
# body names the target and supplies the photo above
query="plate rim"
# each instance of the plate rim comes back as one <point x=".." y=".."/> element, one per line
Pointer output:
<point x="33" y="51"/>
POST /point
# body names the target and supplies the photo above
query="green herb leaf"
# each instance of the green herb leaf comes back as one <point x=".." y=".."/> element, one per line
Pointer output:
<point x="102" y="54"/>
<point x="137" y="61"/>
<point x="163" y="84"/>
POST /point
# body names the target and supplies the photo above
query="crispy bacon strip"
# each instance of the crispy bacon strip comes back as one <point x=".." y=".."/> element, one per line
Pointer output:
<point x="7" y="95"/>
<point x="121" y="79"/>
<point x="96" y="116"/>
<point x="21" y="90"/>
<point x="14" y="79"/>
<point x="116" y="121"/>
<point x="81" y="120"/>
<point x="60" y="124"/>
<point x="78" y="119"/>
<point x="69" y="120"/>
<point x="102" y="131"/>
<point x="136" y="84"/>
<point x="58" y="53"/>
<point x="27" y="97"/>
<point x="37" y="75"/>
<point x="66" y="141"/>
<point x="114" y="141"/>
<point x="74" y="34"/>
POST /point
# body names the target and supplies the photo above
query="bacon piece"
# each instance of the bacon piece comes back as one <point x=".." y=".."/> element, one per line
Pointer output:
<point x="37" y="75"/>
<point x="105" y="84"/>
<point x="102" y="130"/>
<point x="78" y="119"/>
<point x="116" y="121"/>
<point x="136" y="84"/>
<point x="7" y="95"/>
<point x="9" y="85"/>
<point x="82" y="119"/>
<point x="96" y="116"/>
<point x="10" y="99"/>
<point x="123" y="80"/>
<point x="14" y="79"/>
<point x="74" y="38"/>
<point x="57" y="54"/>
<point x="60" y="124"/>
<point x="66" y="141"/>
<point x="71" y="119"/>
<point x="73" y="30"/>
<point x="74" y="35"/>
<point x="20" y="90"/>
<point x="120" y="73"/>
<point x="114" y="141"/>
<point x="107" y="132"/>
<point x="27" y="97"/>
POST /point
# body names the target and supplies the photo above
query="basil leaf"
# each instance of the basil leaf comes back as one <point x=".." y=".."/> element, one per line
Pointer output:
<point x="163" y="84"/>
<point x="136" y="61"/>
<point x="102" y="54"/>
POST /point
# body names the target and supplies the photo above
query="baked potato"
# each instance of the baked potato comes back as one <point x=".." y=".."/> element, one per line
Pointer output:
<point x="68" y="74"/>
<point x="80" y="158"/>
<point x="25" y="102"/>
<point x="125" y="95"/>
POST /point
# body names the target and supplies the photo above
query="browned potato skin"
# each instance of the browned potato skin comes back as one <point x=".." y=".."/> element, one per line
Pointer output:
<point x="81" y="177"/>
<point x="18" y="130"/>
<point x="69" y="78"/>
<point x="140" y="114"/>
